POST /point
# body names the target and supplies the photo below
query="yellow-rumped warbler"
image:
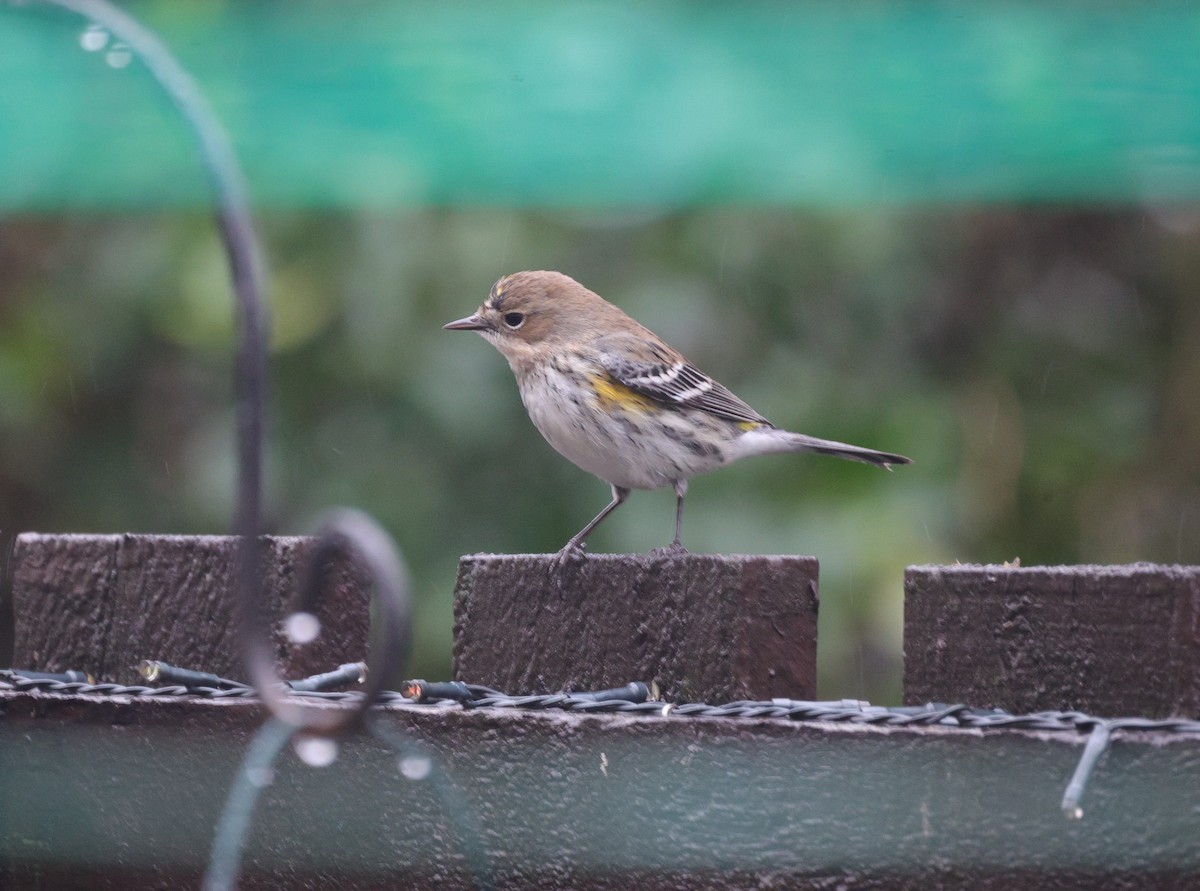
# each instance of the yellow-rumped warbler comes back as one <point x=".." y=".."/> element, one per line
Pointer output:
<point x="614" y="398"/>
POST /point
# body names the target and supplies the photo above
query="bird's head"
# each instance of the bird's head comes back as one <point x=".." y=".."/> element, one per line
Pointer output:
<point x="528" y="312"/>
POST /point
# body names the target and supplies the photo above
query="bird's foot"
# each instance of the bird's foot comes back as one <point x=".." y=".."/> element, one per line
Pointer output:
<point x="573" y="553"/>
<point x="674" y="549"/>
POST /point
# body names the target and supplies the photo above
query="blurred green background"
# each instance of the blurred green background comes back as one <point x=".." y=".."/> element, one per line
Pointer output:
<point x="968" y="234"/>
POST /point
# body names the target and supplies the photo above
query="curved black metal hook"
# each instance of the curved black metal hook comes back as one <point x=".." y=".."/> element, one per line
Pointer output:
<point x="352" y="532"/>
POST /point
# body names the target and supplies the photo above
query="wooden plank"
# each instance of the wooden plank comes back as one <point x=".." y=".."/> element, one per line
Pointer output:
<point x="108" y="793"/>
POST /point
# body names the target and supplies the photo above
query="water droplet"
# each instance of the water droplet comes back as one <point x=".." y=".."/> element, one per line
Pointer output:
<point x="302" y="628"/>
<point x="415" y="767"/>
<point x="261" y="777"/>
<point x="93" y="39"/>
<point x="315" y="751"/>
<point x="119" y="56"/>
<point x="1073" y="813"/>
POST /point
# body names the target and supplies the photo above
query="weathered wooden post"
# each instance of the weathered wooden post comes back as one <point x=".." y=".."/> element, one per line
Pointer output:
<point x="103" y="603"/>
<point x="705" y="627"/>
<point x="1108" y="640"/>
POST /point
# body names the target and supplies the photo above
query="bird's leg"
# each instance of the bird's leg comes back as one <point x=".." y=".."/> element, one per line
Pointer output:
<point x="676" y="548"/>
<point x="575" y="545"/>
<point x="680" y="492"/>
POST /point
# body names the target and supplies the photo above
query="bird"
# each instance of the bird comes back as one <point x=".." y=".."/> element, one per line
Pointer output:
<point x="615" y="399"/>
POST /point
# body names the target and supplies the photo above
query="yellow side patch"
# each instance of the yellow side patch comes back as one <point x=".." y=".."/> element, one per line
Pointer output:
<point x="613" y="394"/>
<point x="749" y="425"/>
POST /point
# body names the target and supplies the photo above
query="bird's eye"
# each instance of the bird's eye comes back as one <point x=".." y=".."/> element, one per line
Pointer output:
<point x="514" y="320"/>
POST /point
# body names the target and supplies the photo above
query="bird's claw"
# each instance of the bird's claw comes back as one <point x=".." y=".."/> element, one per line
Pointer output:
<point x="674" y="549"/>
<point x="572" y="552"/>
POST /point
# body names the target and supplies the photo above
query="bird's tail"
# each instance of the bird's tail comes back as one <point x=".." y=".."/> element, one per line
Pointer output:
<point x="771" y="440"/>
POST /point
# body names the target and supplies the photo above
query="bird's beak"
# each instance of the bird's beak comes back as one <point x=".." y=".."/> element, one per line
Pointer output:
<point x="470" y="323"/>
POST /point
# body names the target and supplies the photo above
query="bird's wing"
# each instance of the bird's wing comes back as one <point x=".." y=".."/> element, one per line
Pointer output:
<point x="659" y="372"/>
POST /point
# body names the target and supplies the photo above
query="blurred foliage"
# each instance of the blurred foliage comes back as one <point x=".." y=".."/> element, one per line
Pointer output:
<point x="1041" y="363"/>
<point x="1041" y="366"/>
